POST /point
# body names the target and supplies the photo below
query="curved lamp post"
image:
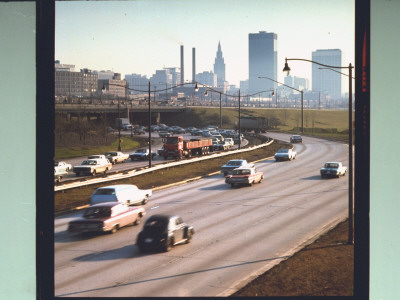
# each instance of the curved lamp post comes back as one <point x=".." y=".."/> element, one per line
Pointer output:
<point x="350" y="68"/>
<point x="301" y="92"/>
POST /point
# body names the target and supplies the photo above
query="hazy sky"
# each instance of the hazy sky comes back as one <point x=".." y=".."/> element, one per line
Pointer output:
<point x="145" y="35"/>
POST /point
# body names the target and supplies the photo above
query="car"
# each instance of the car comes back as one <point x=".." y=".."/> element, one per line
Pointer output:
<point x="285" y="154"/>
<point x="97" y="156"/>
<point x="141" y="154"/>
<point x="229" y="142"/>
<point x="129" y="194"/>
<point x="162" y="232"/>
<point x="233" y="164"/>
<point x="139" y="130"/>
<point x="127" y="126"/>
<point x="61" y="166"/>
<point x="58" y="175"/>
<point x="106" y="217"/>
<point x="206" y="133"/>
<point x="93" y="167"/>
<point x="163" y="134"/>
<point x="333" y="169"/>
<point x="244" y="176"/>
<point x="196" y="132"/>
<point x="190" y="129"/>
<point x="296" y="139"/>
<point x="116" y="156"/>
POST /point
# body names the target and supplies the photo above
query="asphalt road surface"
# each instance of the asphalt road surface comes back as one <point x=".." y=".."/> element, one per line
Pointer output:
<point x="239" y="232"/>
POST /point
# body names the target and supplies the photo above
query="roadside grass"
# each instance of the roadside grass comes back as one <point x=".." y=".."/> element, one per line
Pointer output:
<point x="330" y="124"/>
<point x="128" y="143"/>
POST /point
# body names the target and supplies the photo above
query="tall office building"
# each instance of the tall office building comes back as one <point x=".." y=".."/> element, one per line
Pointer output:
<point x="263" y="61"/>
<point x="219" y="67"/>
<point x="327" y="81"/>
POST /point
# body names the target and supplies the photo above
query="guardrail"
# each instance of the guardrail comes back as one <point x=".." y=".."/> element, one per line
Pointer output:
<point x="132" y="173"/>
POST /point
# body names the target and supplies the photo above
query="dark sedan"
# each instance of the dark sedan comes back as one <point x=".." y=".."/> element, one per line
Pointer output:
<point x="296" y="139"/>
<point x="162" y="232"/>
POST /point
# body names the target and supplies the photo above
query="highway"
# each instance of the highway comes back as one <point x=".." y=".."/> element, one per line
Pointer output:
<point x="239" y="232"/>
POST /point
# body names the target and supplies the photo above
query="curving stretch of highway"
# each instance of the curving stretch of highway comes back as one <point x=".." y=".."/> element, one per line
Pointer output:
<point x="239" y="232"/>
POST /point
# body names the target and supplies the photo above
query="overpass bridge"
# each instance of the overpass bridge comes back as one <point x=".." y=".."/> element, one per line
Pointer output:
<point x="112" y="109"/>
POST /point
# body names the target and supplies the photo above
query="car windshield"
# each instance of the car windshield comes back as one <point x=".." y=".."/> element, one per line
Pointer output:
<point x="111" y="154"/>
<point x="89" y="162"/>
<point x="141" y="151"/>
<point x="234" y="163"/>
<point x="97" y="212"/>
<point x="171" y="140"/>
<point x="283" y="150"/>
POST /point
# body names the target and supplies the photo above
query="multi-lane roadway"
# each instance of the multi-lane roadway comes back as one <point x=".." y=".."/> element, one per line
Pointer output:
<point x="240" y="232"/>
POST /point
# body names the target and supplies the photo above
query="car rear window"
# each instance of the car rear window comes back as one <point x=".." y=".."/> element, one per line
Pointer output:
<point x="105" y="192"/>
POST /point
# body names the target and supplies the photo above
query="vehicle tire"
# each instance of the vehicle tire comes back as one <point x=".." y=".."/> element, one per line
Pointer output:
<point x="67" y="169"/>
<point x="145" y="200"/>
<point x="94" y="173"/>
<point x="169" y="245"/>
<point x="138" y="220"/>
<point x="189" y="236"/>
<point x="261" y="179"/>
<point x="114" y="229"/>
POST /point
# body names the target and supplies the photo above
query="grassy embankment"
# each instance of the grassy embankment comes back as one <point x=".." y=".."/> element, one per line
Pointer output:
<point x="319" y="123"/>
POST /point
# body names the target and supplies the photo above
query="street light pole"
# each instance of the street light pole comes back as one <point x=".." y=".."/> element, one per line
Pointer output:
<point x="239" y="121"/>
<point x="119" y="128"/>
<point x="220" y="110"/>
<point x="351" y="200"/>
<point x="150" y="157"/>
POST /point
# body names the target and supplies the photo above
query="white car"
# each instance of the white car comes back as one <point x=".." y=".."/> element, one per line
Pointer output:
<point x="61" y="166"/>
<point x="333" y="169"/>
<point x="93" y="167"/>
<point x="285" y="154"/>
<point x="229" y="142"/>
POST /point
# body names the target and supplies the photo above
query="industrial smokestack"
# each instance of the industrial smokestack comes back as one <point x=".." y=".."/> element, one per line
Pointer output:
<point x="182" y="72"/>
<point x="194" y="64"/>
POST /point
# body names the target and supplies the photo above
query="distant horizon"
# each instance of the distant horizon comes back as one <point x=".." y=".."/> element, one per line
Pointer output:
<point x="140" y="37"/>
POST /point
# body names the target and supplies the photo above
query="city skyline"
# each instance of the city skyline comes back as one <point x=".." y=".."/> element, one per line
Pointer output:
<point x="144" y="36"/>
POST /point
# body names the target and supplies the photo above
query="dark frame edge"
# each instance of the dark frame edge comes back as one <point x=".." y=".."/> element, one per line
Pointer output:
<point x="45" y="38"/>
<point x="362" y="143"/>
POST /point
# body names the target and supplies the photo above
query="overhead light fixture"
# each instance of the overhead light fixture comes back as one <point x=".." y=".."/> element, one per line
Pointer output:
<point x="286" y="68"/>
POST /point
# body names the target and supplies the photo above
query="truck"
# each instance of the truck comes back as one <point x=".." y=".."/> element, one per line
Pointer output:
<point x="256" y="124"/>
<point x="123" y="123"/>
<point x="177" y="147"/>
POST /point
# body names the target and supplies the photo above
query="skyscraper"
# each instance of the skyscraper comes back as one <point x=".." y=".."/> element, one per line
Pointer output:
<point x="327" y="81"/>
<point x="263" y="61"/>
<point x="219" y="67"/>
